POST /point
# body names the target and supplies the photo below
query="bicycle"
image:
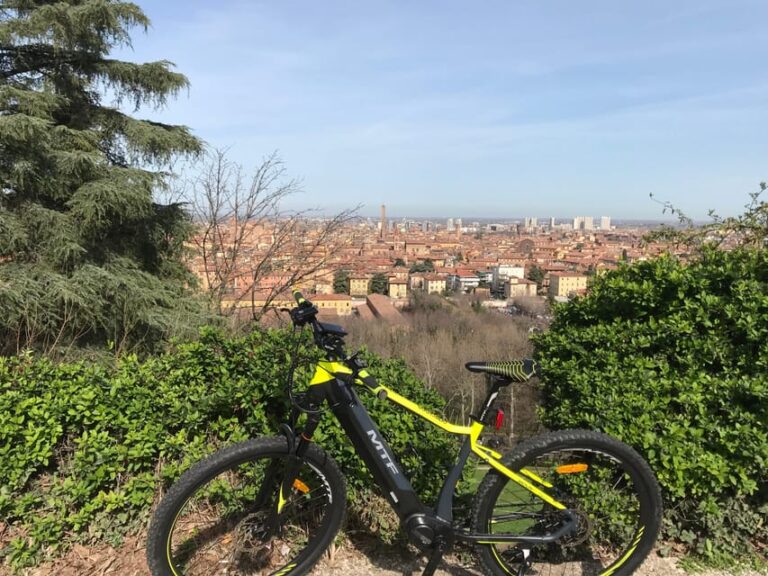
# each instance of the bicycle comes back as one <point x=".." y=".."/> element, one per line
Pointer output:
<point x="572" y="502"/>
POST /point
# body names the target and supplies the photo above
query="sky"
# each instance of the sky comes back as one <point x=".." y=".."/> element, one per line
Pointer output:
<point x="490" y="108"/>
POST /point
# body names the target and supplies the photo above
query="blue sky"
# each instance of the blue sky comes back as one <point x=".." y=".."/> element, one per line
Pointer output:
<point x="487" y="108"/>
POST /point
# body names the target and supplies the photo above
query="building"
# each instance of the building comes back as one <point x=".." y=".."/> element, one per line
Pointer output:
<point x="383" y="222"/>
<point x="434" y="284"/>
<point x="398" y="288"/>
<point x="463" y="281"/>
<point x="358" y="285"/>
<point x="583" y="223"/>
<point x="259" y="299"/>
<point x="531" y="223"/>
<point x="384" y="309"/>
<point x="566" y="284"/>
<point x="340" y="304"/>
<point x="605" y="223"/>
<point x="417" y="249"/>
<point x="516" y="287"/>
<point x="503" y="272"/>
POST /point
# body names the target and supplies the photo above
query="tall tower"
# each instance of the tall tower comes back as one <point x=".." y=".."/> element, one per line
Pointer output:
<point x="383" y="224"/>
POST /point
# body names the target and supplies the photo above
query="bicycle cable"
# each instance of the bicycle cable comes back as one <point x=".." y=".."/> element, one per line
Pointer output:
<point x="295" y="398"/>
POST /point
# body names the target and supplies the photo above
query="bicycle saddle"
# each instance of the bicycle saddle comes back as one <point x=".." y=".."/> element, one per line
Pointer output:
<point x="512" y="370"/>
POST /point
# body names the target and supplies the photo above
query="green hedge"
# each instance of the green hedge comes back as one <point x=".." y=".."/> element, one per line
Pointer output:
<point x="84" y="448"/>
<point x="673" y="359"/>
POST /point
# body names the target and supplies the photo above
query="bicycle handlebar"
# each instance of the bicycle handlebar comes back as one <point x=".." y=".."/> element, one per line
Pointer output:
<point x="305" y="312"/>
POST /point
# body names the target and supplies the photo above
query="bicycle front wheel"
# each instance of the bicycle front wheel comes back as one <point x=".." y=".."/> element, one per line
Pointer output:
<point x="219" y="517"/>
<point x="609" y="489"/>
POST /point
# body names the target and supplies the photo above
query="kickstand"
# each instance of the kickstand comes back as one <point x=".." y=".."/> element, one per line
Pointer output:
<point x="434" y="559"/>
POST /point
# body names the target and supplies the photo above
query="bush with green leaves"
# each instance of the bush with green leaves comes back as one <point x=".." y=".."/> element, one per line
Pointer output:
<point x="673" y="359"/>
<point x="84" y="449"/>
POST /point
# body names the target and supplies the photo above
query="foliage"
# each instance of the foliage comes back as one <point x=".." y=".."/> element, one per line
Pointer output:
<point x="341" y="282"/>
<point x="426" y="266"/>
<point x="399" y="262"/>
<point x="749" y="229"/>
<point x="672" y="358"/>
<point x="83" y="448"/>
<point x="88" y="256"/>
<point x="536" y="274"/>
<point x="379" y="284"/>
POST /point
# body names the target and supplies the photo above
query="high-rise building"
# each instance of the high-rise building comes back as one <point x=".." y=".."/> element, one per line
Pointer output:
<point x="531" y="223"/>
<point x="449" y="225"/>
<point x="605" y="223"/>
<point x="589" y="223"/>
<point x="578" y="223"/>
<point x="383" y="223"/>
<point x="458" y="223"/>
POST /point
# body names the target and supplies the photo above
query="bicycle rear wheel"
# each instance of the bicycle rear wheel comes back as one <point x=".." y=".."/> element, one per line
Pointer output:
<point x="219" y="516"/>
<point x="609" y="487"/>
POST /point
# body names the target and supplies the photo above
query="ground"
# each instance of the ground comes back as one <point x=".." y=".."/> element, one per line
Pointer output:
<point x="367" y="557"/>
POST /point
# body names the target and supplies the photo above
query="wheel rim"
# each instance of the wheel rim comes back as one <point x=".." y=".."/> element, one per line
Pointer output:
<point x="603" y="493"/>
<point x="225" y="526"/>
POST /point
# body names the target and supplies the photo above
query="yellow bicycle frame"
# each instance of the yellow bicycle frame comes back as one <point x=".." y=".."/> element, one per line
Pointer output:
<point x="327" y="370"/>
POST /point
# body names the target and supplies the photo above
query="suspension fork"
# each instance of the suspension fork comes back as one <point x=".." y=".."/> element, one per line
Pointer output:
<point x="297" y="449"/>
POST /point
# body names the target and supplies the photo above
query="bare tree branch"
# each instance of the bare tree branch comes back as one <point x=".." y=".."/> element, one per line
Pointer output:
<point x="250" y="250"/>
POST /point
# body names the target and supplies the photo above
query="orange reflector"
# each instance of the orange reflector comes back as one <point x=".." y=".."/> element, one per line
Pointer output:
<point x="571" y="468"/>
<point x="300" y="486"/>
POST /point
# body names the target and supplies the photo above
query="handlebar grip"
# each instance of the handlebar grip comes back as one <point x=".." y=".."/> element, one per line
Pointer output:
<point x="299" y="297"/>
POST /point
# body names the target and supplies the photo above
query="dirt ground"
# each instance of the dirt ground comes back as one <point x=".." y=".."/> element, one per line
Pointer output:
<point x="365" y="558"/>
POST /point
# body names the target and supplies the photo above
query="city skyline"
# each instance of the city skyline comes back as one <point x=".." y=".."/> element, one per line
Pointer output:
<point x="369" y="213"/>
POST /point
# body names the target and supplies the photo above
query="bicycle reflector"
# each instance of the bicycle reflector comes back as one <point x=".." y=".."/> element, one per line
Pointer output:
<point x="499" y="419"/>
<point x="300" y="486"/>
<point x="572" y="468"/>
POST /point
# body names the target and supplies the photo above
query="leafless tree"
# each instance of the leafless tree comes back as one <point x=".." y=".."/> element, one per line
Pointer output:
<point x="245" y="236"/>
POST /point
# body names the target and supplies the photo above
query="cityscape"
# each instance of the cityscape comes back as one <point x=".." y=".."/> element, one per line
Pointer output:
<point x="369" y="264"/>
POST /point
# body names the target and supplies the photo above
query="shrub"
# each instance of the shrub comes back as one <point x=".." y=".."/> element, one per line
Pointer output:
<point x="84" y="448"/>
<point x="672" y="359"/>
